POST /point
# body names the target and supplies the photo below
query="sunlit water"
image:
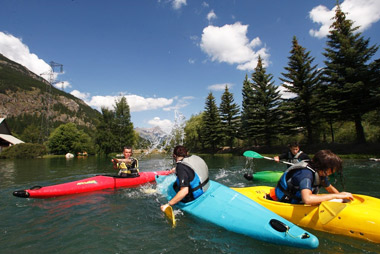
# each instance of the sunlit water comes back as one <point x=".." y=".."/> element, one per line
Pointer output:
<point x="130" y="220"/>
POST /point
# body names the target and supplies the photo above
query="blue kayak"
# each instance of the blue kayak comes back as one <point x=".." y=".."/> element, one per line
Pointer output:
<point x="235" y="212"/>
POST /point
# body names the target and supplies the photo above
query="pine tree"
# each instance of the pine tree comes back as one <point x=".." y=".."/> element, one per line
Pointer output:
<point x="265" y="106"/>
<point x="246" y="130"/>
<point x="347" y="73"/>
<point x="302" y="78"/>
<point x="123" y="126"/>
<point x="211" y="124"/>
<point x="229" y="115"/>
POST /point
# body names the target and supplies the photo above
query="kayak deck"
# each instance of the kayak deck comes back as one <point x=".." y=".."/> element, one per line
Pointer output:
<point x="358" y="218"/>
<point x="229" y="209"/>
<point x="95" y="183"/>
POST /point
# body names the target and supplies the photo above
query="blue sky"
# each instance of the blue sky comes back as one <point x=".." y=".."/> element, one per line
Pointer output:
<point x="167" y="55"/>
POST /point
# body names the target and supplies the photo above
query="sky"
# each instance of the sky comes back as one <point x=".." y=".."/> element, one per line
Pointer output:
<point x="166" y="56"/>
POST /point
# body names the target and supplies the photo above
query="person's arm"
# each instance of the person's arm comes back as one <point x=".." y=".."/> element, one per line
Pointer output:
<point x="309" y="198"/>
<point x="181" y="194"/>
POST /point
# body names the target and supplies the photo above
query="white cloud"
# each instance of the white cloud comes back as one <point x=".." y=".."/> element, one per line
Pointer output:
<point x="165" y="124"/>
<point x="62" y="85"/>
<point x="136" y="103"/>
<point x="82" y="96"/>
<point x="181" y="103"/>
<point x="211" y="15"/>
<point x="363" y="12"/>
<point x="14" y="49"/>
<point x="230" y="44"/>
<point x="285" y="94"/>
<point x="177" y="4"/>
<point x="219" y="87"/>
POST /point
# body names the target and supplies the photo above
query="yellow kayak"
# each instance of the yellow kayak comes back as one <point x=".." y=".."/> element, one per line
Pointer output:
<point x="359" y="218"/>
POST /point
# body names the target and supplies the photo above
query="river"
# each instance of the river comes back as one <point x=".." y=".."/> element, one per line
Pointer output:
<point x="130" y="220"/>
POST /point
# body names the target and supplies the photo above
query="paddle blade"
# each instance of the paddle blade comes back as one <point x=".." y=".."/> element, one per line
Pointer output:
<point x="252" y="154"/>
<point x="170" y="214"/>
<point x="329" y="210"/>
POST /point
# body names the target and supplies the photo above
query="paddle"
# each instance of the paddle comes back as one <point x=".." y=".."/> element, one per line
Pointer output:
<point x="252" y="154"/>
<point x="329" y="210"/>
<point x="170" y="214"/>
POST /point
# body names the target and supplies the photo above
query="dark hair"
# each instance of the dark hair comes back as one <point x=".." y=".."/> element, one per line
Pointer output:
<point x="180" y="151"/>
<point x="127" y="147"/>
<point x="325" y="159"/>
<point x="293" y="144"/>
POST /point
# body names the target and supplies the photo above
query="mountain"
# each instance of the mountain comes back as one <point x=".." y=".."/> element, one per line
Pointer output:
<point x="26" y="98"/>
<point x="154" y="134"/>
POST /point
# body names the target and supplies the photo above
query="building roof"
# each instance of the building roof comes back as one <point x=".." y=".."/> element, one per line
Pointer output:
<point x="11" y="139"/>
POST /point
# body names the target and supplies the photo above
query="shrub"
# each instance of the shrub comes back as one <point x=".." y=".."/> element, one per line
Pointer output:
<point x="23" y="151"/>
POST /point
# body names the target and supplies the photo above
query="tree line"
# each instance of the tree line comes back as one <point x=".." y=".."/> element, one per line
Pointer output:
<point x="341" y="95"/>
<point x="328" y="103"/>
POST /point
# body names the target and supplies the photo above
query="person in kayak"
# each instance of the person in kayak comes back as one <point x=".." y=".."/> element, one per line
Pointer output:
<point x="301" y="182"/>
<point x="293" y="155"/>
<point x="192" y="177"/>
<point x="128" y="167"/>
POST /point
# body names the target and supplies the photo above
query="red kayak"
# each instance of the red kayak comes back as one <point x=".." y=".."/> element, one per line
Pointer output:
<point x="89" y="184"/>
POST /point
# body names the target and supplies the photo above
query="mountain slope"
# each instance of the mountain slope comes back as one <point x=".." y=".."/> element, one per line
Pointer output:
<point x="26" y="98"/>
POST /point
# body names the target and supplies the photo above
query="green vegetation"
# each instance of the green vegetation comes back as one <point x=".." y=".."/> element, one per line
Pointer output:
<point x="23" y="151"/>
<point x="68" y="139"/>
<point x="115" y="129"/>
<point x="334" y="105"/>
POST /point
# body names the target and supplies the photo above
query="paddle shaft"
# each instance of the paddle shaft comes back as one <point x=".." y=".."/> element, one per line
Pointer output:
<point x="285" y="162"/>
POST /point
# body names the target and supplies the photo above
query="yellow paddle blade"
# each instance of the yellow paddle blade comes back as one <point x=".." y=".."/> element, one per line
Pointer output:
<point x="329" y="210"/>
<point x="170" y="214"/>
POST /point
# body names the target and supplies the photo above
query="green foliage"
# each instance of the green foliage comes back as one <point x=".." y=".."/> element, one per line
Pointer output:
<point x="67" y="138"/>
<point x="115" y="129"/>
<point x="230" y="119"/>
<point x="30" y="134"/>
<point x="350" y="79"/>
<point x="23" y="151"/>
<point x="264" y="106"/>
<point x="211" y="132"/>
<point x="301" y="79"/>
<point x="193" y="132"/>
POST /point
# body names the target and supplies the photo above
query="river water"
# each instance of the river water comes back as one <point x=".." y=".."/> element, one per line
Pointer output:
<point x="130" y="220"/>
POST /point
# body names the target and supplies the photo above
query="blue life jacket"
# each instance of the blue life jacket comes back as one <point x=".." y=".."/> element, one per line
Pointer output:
<point x="288" y="193"/>
<point x="200" y="183"/>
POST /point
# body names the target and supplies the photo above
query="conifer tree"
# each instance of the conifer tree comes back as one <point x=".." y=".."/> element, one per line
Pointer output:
<point x="211" y="124"/>
<point x="229" y="115"/>
<point x="265" y="106"/>
<point x="302" y="79"/>
<point x="123" y="126"/>
<point x="347" y="73"/>
<point x="246" y="130"/>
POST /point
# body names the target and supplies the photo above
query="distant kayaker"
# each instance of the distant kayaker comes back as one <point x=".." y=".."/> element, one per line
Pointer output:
<point x="192" y="177"/>
<point x="301" y="182"/>
<point x="293" y="155"/>
<point x="128" y="167"/>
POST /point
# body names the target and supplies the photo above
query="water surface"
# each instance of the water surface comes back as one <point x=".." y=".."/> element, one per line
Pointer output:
<point x="130" y="220"/>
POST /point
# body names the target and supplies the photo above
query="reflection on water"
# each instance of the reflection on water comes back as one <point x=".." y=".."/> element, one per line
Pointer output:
<point x="130" y="221"/>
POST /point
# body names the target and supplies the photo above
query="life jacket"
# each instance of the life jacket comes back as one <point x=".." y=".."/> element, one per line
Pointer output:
<point x="294" y="159"/>
<point x="288" y="193"/>
<point x="129" y="169"/>
<point x="200" y="183"/>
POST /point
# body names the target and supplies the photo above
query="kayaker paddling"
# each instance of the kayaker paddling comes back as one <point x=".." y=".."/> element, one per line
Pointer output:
<point x="293" y="155"/>
<point x="128" y="167"/>
<point x="301" y="182"/>
<point x="192" y="177"/>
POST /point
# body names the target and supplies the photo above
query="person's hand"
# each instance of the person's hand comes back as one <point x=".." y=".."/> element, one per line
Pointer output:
<point x="163" y="207"/>
<point x="345" y="195"/>
<point x="276" y="159"/>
